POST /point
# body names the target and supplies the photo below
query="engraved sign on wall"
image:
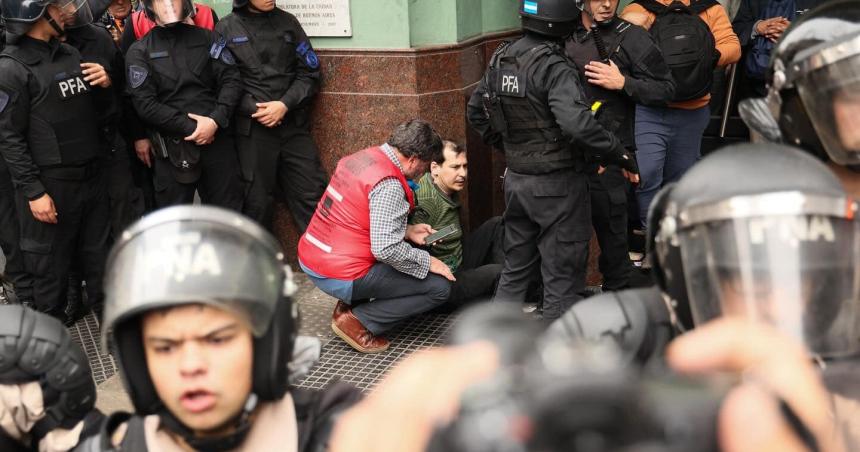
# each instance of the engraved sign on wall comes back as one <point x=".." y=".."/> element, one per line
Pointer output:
<point x="320" y="17"/>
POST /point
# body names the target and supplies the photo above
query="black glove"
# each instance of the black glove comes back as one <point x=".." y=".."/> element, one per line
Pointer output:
<point x="627" y="161"/>
<point x="623" y="158"/>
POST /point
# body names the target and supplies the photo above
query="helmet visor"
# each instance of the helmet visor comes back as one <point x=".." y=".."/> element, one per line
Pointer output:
<point x="75" y="13"/>
<point x="799" y="273"/>
<point x="831" y="96"/>
<point x="168" y="12"/>
<point x="183" y="262"/>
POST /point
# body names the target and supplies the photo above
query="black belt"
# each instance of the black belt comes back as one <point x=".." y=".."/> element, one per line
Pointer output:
<point x="82" y="172"/>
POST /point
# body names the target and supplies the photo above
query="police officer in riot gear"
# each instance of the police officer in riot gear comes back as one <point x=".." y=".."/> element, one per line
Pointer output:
<point x="779" y="244"/>
<point x="104" y="69"/>
<point x="280" y="74"/>
<point x="184" y="85"/>
<point x="14" y="272"/>
<point x="105" y="66"/>
<point x="235" y="287"/>
<point x="530" y="103"/>
<point x="49" y="138"/>
<point x="620" y="66"/>
<point x="814" y="77"/>
<point x="813" y="81"/>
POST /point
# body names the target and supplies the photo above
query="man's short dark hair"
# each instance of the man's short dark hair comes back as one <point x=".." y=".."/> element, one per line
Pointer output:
<point x="417" y="138"/>
<point x="448" y="144"/>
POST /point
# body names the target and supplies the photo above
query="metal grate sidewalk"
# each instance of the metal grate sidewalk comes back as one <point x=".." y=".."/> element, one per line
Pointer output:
<point x="337" y="360"/>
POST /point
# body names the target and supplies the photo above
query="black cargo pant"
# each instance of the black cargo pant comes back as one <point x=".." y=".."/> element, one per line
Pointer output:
<point x="547" y="223"/>
<point x="126" y="200"/>
<point x="219" y="183"/>
<point x="609" y="218"/>
<point x="10" y="238"/>
<point x="80" y="236"/>
<point x="483" y="259"/>
<point x="281" y="161"/>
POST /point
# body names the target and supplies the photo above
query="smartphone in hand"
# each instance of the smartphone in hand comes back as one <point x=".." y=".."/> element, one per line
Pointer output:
<point x="447" y="231"/>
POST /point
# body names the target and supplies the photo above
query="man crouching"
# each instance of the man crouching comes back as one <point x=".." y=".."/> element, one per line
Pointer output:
<point x="356" y="247"/>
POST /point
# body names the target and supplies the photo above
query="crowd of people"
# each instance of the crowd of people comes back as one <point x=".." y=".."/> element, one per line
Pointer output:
<point x="157" y="107"/>
<point x="108" y="112"/>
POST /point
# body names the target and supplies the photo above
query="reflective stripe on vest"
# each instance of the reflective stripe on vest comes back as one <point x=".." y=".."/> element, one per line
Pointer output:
<point x="337" y="241"/>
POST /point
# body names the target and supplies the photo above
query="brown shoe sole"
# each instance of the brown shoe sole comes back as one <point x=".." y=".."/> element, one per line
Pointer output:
<point x="353" y="344"/>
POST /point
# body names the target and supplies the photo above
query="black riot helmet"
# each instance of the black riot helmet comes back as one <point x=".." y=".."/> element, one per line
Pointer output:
<point x="200" y="255"/>
<point x="779" y="244"/>
<point x="554" y="18"/>
<point x="20" y="16"/>
<point x="168" y="12"/>
<point x="814" y="85"/>
<point x="664" y="256"/>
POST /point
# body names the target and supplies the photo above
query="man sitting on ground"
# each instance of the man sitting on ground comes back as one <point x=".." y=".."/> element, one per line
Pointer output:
<point x="476" y="260"/>
<point x="355" y="248"/>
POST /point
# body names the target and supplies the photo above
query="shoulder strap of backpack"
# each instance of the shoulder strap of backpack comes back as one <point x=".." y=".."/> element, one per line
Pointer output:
<point x="620" y="28"/>
<point x="700" y="6"/>
<point x="652" y="6"/>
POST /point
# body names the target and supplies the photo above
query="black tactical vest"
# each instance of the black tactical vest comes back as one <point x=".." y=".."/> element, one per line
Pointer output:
<point x="63" y="129"/>
<point x="533" y="141"/>
<point x="613" y="110"/>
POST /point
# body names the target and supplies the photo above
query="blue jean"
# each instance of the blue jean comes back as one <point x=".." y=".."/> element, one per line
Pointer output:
<point x="394" y="296"/>
<point x="668" y="143"/>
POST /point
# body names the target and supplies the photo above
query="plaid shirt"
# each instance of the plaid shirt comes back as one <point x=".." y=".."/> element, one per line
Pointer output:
<point x="389" y="211"/>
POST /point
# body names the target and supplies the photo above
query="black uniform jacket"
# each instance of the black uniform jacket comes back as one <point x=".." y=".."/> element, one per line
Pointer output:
<point x="173" y="71"/>
<point x="275" y="57"/>
<point x="44" y="81"/>
<point x="552" y="82"/>
<point x="648" y="80"/>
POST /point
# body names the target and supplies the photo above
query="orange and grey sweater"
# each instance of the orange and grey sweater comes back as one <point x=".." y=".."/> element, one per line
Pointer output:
<point x="720" y="25"/>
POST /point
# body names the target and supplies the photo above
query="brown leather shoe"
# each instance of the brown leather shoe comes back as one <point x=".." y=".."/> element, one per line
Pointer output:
<point x="350" y="329"/>
<point x="339" y="309"/>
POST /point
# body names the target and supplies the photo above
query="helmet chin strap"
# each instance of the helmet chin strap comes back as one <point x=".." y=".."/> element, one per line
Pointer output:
<point x="55" y="25"/>
<point x="230" y="441"/>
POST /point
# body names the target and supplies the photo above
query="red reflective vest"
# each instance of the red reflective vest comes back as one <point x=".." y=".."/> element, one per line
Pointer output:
<point x="337" y="241"/>
<point x="203" y="18"/>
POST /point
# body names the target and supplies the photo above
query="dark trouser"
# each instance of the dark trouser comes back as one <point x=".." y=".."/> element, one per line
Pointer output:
<point x="547" y="223"/>
<point x="668" y="143"/>
<point x="609" y="217"/>
<point x="396" y="296"/>
<point x="10" y="237"/>
<point x="142" y="178"/>
<point x="219" y="182"/>
<point x="483" y="259"/>
<point x="282" y="160"/>
<point x="81" y="230"/>
<point x="126" y="200"/>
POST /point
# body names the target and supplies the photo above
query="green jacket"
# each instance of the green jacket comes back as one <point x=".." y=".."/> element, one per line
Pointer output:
<point x="437" y="209"/>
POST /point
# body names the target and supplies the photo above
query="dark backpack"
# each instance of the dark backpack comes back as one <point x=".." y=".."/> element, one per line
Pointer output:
<point x="687" y="44"/>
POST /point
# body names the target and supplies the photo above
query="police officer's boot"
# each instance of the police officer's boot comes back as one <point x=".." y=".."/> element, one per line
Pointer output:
<point x="75" y="309"/>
